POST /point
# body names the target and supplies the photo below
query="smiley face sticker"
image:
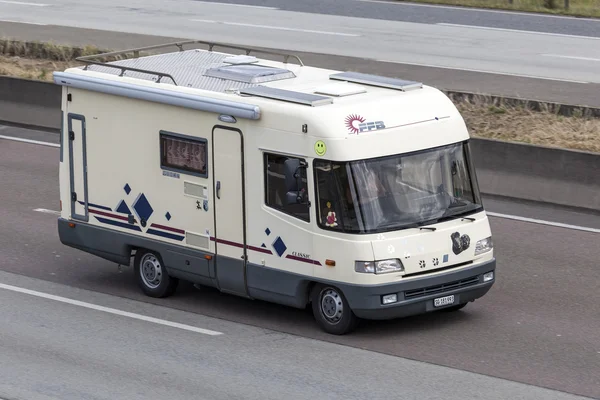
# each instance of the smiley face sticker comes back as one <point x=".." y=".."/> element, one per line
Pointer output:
<point x="320" y="148"/>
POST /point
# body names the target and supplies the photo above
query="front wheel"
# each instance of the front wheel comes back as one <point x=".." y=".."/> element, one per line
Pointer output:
<point x="332" y="311"/>
<point x="151" y="275"/>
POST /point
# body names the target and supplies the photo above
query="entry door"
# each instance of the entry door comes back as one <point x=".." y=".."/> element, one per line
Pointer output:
<point x="78" y="167"/>
<point x="228" y="197"/>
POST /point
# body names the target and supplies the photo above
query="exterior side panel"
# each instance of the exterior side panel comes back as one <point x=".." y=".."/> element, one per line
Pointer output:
<point x="117" y="246"/>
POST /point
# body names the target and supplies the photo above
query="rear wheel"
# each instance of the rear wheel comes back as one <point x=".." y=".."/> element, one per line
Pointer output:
<point x="151" y="275"/>
<point x="332" y="311"/>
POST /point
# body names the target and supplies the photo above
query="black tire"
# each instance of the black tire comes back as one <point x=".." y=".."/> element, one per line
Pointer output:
<point x="152" y="276"/>
<point x="454" y="308"/>
<point x="332" y="311"/>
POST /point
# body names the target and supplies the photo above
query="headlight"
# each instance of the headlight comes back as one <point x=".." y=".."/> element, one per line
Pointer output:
<point x="379" y="267"/>
<point x="484" y="245"/>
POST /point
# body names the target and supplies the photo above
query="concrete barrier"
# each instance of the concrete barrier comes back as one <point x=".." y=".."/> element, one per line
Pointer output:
<point x="521" y="171"/>
<point x="543" y="174"/>
<point x="30" y="103"/>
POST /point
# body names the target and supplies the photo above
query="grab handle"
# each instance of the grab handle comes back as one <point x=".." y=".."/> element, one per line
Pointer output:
<point x="218" y="189"/>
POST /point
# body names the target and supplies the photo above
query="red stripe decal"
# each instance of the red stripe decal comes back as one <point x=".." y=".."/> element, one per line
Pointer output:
<point x="166" y="228"/>
<point x="260" y="250"/>
<point x="253" y="248"/>
<point x="227" y="242"/>
<point x="108" y="214"/>
<point x="306" y="260"/>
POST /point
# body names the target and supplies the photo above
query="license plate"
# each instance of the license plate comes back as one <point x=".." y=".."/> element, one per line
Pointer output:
<point x="443" y="301"/>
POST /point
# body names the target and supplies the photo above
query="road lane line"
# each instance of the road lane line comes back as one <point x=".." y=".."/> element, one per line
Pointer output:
<point x="16" y="139"/>
<point x="281" y="28"/>
<point x="572" y="57"/>
<point x="109" y="310"/>
<point x="484" y="71"/>
<point x="542" y="222"/>
<point x="475" y="9"/>
<point x="22" y="3"/>
<point x="46" y="211"/>
<point x="235" y="5"/>
<point x="489" y="28"/>
<point x="24" y="23"/>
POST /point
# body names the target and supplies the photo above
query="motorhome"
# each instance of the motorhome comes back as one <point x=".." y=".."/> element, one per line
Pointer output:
<point x="350" y="193"/>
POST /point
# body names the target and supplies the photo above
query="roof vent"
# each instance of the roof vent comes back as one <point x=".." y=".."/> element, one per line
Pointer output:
<point x="376" y="80"/>
<point x="240" y="59"/>
<point x="249" y="73"/>
<point x="291" y="96"/>
<point x="340" y="90"/>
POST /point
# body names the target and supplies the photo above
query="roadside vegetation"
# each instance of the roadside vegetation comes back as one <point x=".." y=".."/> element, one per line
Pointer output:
<point x="485" y="116"/>
<point x="579" y="8"/>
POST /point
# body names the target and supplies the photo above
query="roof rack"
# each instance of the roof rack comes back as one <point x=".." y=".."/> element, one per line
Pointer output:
<point x="90" y="60"/>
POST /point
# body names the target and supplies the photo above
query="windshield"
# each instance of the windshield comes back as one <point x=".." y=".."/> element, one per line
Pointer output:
<point x="396" y="192"/>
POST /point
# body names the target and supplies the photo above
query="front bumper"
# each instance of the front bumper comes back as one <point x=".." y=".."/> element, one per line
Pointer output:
<point x="416" y="296"/>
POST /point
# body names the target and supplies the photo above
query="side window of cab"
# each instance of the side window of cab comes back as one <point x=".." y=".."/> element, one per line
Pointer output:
<point x="286" y="186"/>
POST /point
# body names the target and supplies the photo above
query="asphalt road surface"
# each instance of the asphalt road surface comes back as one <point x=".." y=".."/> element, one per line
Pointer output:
<point x="538" y="326"/>
<point x="58" y="348"/>
<point x="392" y="10"/>
<point x="559" y="56"/>
<point x="476" y="82"/>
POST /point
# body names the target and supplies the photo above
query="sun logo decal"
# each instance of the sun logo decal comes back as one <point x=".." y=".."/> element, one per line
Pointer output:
<point x="352" y="122"/>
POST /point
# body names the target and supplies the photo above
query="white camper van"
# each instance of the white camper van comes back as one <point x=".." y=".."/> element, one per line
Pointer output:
<point x="268" y="179"/>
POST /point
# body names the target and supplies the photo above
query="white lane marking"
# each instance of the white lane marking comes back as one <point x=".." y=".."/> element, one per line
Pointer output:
<point x="281" y="28"/>
<point x="542" y="222"/>
<point x="484" y="71"/>
<point x="24" y="23"/>
<point x="16" y="139"/>
<point x="110" y="310"/>
<point x="236" y="5"/>
<point x="572" y="57"/>
<point x="489" y="28"/>
<point x="475" y="9"/>
<point x="46" y="211"/>
<point x="22" y="3"/>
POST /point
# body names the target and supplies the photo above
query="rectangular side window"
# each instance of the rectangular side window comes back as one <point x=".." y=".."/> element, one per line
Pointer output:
<point x="184" y="154"/>
<point x="286" y="187"/>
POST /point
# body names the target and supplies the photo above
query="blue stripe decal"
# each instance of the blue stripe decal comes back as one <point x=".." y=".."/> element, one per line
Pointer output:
<point x="164" y="234"/>
<point x="117" y="223"/>
<point x="95" y="206"/>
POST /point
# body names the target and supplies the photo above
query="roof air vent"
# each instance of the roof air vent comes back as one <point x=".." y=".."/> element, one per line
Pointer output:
<point x="240" y="59"/>
<point x="249" y="73"/>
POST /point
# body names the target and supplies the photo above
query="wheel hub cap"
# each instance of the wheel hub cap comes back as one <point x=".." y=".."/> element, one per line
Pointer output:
<point x="151" y="271"/>
<point x="332" y="306"/>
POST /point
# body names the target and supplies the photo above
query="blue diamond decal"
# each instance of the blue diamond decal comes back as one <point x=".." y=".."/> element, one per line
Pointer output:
<point x="142" y="207"/>
<point x="127" y="188"/>
<point x="122" y="208"/>
<point x="263" y="245"/>
<point x="268" y="231"/>
<point x="279" y="246"/>
<point x="168" y="216"/>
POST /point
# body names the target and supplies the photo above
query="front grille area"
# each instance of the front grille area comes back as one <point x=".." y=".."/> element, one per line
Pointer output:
<point x="426" y="291"/>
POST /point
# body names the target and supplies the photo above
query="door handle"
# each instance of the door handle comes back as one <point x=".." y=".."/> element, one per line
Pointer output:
<point x="218" y="189"/>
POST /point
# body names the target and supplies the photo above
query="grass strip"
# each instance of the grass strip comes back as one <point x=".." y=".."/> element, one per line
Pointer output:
<point x="576" y="8"/>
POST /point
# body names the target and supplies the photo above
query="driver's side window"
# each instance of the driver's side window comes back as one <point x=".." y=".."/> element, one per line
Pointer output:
<point x="286" y="186"/>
